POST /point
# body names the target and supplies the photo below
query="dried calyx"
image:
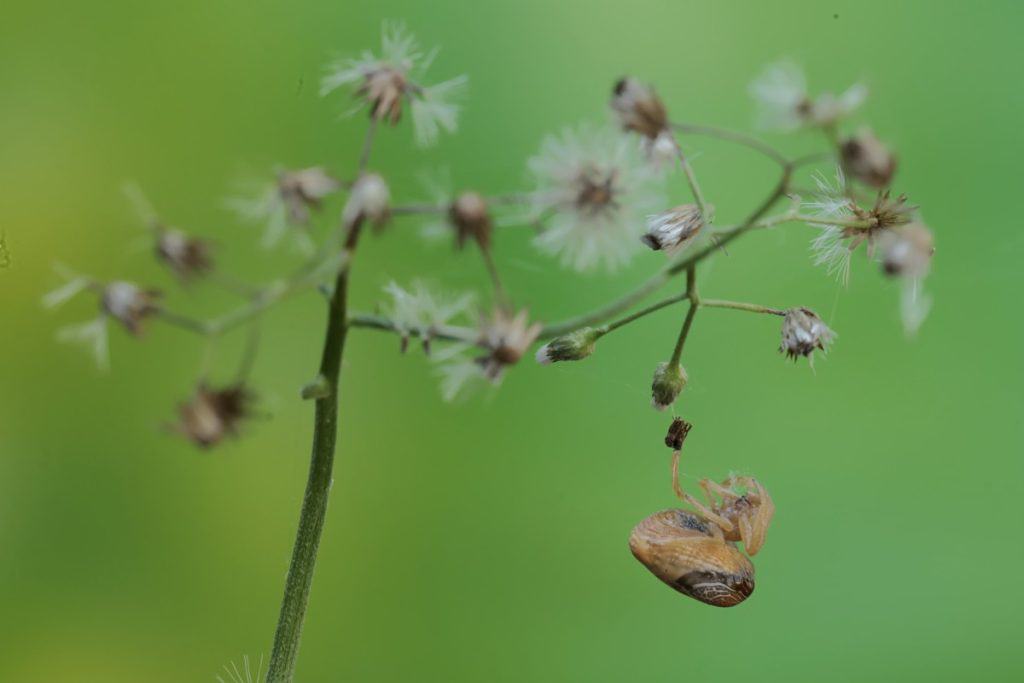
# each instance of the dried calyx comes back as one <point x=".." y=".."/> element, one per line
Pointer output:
<point x="471" y="220"/>
<point x="865" y="158"/>
<point x="803" y="332"/>
<point x="212" y="414"/>
<point x="129" y="304"/>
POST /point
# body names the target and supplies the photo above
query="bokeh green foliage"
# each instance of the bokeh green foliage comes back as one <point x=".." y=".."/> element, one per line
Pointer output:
<point x="486" y="540"/>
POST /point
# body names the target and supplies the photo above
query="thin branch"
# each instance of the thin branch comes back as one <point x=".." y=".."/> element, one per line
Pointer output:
<point x="740" y="306"/>
<point x="364" y="157"/>
<point x="733" y="136"/>
<point x="645" y="311"/>
<point x="691" y="313"/>
<point x="691" y="179"/>
<point x="445" y="332"/>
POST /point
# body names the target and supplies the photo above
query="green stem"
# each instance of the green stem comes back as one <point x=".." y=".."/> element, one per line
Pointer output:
<point x="645" y="311"/>
<point x="740" y="306"/>
<point x="691" y="313"/>
<point x="314" y="504"/>
<point x="691" y="179"/>
<point x="445" y="332"/>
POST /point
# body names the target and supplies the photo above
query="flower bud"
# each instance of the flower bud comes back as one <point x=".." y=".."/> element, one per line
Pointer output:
<point x="468" y="213"/>
<point x="129" y="304"/>
<point x="865" y="158"/>
<point x="803" y="332"/>
<point x="907" y="251"/>
<point x="573" y="346"/>
<point x="669" y="380"/>
<point x="673" y="230"/>
<point x="369" y="200"/>
<point x="639" y="109"/>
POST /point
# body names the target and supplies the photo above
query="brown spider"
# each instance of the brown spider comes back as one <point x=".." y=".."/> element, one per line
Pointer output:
<point x="696" y="553"/>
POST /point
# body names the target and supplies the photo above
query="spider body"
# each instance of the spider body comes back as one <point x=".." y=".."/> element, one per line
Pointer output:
<point x="695" y="552"/>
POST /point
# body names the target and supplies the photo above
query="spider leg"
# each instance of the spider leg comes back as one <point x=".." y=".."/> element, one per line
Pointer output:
<point x="754" y="528"/>
<point x="707" y="513"/>
<point x="725" y="492"/>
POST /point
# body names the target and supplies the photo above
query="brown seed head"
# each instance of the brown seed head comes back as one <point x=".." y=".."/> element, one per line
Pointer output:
<point x="188" y="257"/>
<point x="468" y="213"/>
<point x="383" y="89"/>
<point x="638" y="107"/>
<point x="129" y="304"/>
<point x="865" y="158"/>
<point x="677" y="432"/>
<point x="212" y="414"/>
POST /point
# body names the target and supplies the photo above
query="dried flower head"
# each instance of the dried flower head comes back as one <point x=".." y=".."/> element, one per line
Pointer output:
<point x="188" y="257"/>
<point x="638" y="108"/>
<point x="785" y="104"/>
<point x="677" y="432"/>
<point x="129" y="304"/>
<point x="597" y="188"/>
<point x="421" y="312"/>
<point x="506" y="338"/>
<point x="669" y="380"/>
<point x="471" y="220"/>
<point x="124" y="301"/>
<point x="576" y="345"/>
<point x="803" y="332"/>
<point x="854" y="224"/>
<point x="388" y="82"/>
<point x="212" y="414"/>
<point x="865" y="158"/>
<point x="906" y="251"/>
<point x="289" y="201"/>
<point x="674" y="230"/>
<point x="369" y="200"/>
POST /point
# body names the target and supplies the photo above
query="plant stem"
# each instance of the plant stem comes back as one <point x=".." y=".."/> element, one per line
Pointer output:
<point x="645" y="311"/>
<point x="314" y="503"/>
<point x="740" y="306"/>
<point x="691" y="179"/>
<point x="733" y="136"/>
<point x="691" y="313"/>
<point x="447" y="332"/>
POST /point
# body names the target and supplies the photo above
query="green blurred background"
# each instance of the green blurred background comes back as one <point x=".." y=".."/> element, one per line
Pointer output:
<point x="486" y="540"/>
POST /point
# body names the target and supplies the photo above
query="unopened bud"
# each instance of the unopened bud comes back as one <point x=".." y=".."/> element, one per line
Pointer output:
<point x="573" y="346"/>
<point x="669" y="380"/>
<point x="673" y="230"/>
<point x="865" y="158"/>
<point x="468" y="213"/>
<point x="638" y="107"/>
<point x="803" y="332"/>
